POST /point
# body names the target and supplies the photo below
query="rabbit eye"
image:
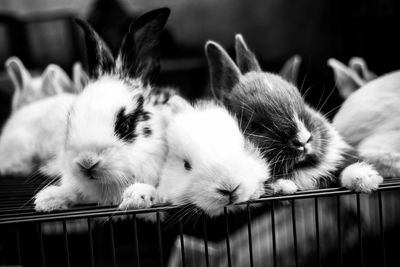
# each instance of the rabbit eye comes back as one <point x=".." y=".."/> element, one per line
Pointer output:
<point x="187" y="165"/>
<point x="124" y="128"/>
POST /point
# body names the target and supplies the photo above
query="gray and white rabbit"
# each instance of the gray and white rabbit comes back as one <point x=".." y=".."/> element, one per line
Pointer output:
<point x="210" y="163"/>
<point x="303" y="148"/>
<point x="114" y="145"/>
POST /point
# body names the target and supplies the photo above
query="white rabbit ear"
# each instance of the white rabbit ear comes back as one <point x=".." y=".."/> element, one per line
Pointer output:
<point x="19" y="75"/>
<point x="359" y="65"/>
<point x="99" y="57"/>
<point x="224" y="74"/>
<point x="79" y="77"/>
<point x="291" y="68"/>
<point x="139" y="55"/>
<point x="55" y="81"/>
<point x="347" y="80"/>
<point x="245" y="59"/>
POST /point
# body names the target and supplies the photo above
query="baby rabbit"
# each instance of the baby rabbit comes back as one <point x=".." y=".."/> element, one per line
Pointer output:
<point x="28" y="89"/>
<point x="369" y="120"/>
<point x="210" y="163"/>
<point x="304" y="150"/>
<point x="33" y="135"/>
<point x="349" y="78"/>
<point x="114" y="140"/>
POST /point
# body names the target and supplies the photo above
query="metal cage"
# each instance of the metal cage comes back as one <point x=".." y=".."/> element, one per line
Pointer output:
<point x="328" y="227"/>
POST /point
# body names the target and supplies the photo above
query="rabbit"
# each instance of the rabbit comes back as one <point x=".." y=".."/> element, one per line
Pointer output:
<point x="28" y="89"/>
<point x="27" y="140"/>
<point x="33" y="135"/>
<point x="115" y="141"/>
<point x="369" y="120"/>
<point x="304" y="150"/>
<point x="349" y="78"/>
<point x="210" y="164"/>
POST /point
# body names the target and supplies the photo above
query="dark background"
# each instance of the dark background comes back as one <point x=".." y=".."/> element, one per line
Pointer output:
<point x="41" y="32"/>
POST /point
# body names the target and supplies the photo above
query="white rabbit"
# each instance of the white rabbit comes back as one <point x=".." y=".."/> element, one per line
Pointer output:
<point x="115" y="141"/>
<point x="369" y="120"/>
<point x="34" y="134"/>
<point x="28" y="89"/>
<point x="210" y="163"/>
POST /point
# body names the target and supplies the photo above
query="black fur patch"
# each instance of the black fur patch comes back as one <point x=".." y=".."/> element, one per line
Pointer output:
<point x="147" y="132"/>
<point x="126" y="124"/>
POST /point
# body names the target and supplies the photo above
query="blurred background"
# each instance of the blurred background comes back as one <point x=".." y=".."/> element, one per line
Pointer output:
<point x="40" y="32"/>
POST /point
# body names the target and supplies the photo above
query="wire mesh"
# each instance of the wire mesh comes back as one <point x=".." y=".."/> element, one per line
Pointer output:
<point x="270" y="231"/>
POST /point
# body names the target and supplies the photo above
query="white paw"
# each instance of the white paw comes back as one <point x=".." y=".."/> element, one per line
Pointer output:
<point x="51" y="198"/>
<point x="360" y="177"/>
<point x="284" y="186"/>
<point x="139" y="196"/>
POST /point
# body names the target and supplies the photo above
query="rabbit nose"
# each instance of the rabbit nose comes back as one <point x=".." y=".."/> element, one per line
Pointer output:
<point x="231" y="193"/>
<point x="88" y="165"/>
<point x="302" y="146"/>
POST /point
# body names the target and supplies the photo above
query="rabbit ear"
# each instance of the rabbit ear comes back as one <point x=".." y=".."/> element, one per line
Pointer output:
<point x="291" y="68"/>
<point x="79" y="77"/>
<point x="55" y="81"/>
<point x="245" y="59"/>
<point x="19" y="75"/>
<point x="139" y="55"/>
<point x="224" y="74"/>
<point x="360" y="67"/>
<point x="347" y="81"/>
<point x="100" y="59"/>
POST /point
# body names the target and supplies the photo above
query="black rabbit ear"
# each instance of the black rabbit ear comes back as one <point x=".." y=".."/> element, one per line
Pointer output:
<point x="139" y="55"/>
<point x="245" y="59"/>
<point x="224" y="74"/>
<point x="99" y="56"/>
<point x="291" y="68"/>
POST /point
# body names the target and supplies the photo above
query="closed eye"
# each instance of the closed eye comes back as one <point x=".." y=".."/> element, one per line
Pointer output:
<point x="187" y="165"/>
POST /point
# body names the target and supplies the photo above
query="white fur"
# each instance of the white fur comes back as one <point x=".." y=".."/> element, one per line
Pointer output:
<point x="360" y="177"/>
<point x="208" y="137"/>
<point x="284" y="186"/>
<point x="139" y="195"/>
<point x="34" y="134"/>
<point x="91" y="137"/>
<point x="308" y="178"/>
<point x="370" y="121"/>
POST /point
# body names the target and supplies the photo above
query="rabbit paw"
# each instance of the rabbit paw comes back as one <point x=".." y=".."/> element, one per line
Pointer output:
<point x="284" y="186"/>
<point x="52" y="198"/>
<point x="360" y="177"/>
<point x="139" y="195"/>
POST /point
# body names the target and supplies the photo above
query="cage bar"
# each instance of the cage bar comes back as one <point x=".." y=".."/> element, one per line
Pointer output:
<point x="90" y="235"/>
<point x="160" y="247"/>
<point x="296" y="260"/>
<point x="205" y="240"/>
<point x="182" y="242"/>
<point x="360" y="239"/>
<point x="381" y="229"/>
<point x="339" y="231"/>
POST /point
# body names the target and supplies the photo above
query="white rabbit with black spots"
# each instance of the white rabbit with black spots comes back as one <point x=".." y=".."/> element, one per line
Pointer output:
<point x="114" y="141"/>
